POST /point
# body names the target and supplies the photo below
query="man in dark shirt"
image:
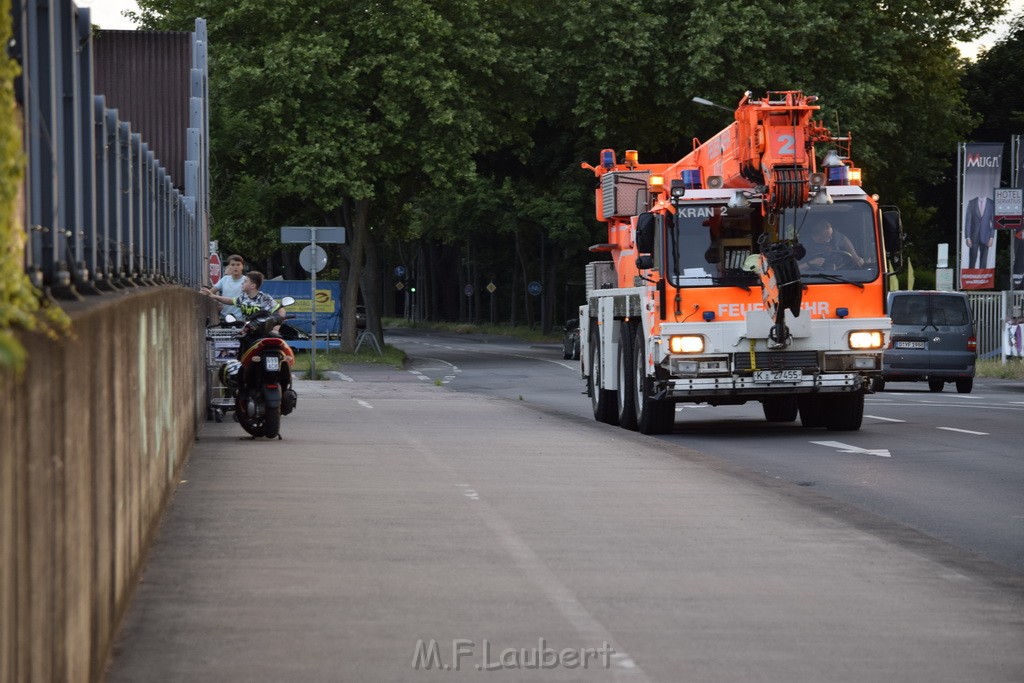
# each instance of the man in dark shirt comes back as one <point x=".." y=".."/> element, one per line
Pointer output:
<point x="826" y="240"/>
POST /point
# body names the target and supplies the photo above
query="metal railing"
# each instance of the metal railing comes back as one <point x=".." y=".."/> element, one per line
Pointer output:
<point x="101" y="212"/>
<point x="991" y="310"/>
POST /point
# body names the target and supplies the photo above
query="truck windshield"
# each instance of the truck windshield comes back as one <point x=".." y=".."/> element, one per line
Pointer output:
<point x="713" y="245"/>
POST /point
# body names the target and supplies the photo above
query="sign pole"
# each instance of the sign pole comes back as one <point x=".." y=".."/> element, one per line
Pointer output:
<point x="312" y="322"/>
<point x="298" y="235"/>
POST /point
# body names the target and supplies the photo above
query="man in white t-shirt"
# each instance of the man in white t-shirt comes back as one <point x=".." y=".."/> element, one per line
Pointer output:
<point x="230" y="285"/>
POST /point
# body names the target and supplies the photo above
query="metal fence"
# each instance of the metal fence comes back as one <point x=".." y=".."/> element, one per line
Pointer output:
<point x="101" y="211"/>
<point x="991" y="311"/>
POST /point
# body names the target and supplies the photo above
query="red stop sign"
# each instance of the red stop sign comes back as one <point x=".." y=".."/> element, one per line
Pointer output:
<point x="214" y="268"/>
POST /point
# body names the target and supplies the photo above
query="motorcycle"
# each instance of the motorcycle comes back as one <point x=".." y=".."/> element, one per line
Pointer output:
<point x="261" y="377"/>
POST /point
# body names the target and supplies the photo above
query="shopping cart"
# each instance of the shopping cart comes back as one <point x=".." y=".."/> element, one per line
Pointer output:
<point x="221" y="346"/>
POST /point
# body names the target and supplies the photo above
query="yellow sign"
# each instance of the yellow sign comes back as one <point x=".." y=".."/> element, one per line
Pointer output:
<point x="324" y="303"/>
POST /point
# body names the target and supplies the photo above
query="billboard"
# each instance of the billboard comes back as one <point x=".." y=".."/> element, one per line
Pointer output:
<point x="1017" y="236"/>
<point x="328" y="303"/>
<point x="980" y="172"/>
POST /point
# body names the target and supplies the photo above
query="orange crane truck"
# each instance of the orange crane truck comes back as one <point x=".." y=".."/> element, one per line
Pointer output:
<point x="745" y="271"/>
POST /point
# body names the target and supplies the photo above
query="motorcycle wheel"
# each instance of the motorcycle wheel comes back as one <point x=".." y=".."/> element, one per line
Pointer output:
<point x="252" y="427"/>
<point x="272" y="422"/>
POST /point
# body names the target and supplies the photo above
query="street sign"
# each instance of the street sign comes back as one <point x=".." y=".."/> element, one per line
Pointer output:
<point x="534" y="288"/>
<point x="399" y="271"/>
<point x="1008" y="207"/>
<point x="312" y="259"/>
<point x="214" y="268"/>
<point x="468" y="290"/>
<point x="491" y="287"/>
<point x="399" y="286"/>
<point x="306" y="235"/>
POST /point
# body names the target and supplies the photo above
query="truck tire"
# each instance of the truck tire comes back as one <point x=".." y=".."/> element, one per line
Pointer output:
<point x="627" y="378"/>
<point x="845" y="412"/>
<point x="603" y="401"/>
<point x="652" y="416"/>
<point x="964" y="385"/>
<point x="780" y="408"/>
<point x="812" y="411"/>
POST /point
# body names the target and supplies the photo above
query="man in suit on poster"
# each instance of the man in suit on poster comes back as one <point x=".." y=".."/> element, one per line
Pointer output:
<point x="979" y="231"/>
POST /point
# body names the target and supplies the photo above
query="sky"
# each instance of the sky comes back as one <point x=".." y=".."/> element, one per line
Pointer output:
<point x="107" y="14"/>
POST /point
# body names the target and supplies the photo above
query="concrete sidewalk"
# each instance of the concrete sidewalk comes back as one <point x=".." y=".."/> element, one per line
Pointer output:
<point x="397" y="517"/>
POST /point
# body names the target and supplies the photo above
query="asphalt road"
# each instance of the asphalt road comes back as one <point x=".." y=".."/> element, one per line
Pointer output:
<point x="950" y="465"/>
<point x="404" y="532"/>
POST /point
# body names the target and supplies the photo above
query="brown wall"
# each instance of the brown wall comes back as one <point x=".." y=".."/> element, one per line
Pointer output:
<point x="93" y="436"/>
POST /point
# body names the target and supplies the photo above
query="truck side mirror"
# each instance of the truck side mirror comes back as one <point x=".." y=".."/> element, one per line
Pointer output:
<point x="645" y="233"/>
<point x="892" y="236"/>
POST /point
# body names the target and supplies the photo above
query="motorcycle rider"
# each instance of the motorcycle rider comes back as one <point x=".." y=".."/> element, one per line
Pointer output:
<point x="251" y="300"/>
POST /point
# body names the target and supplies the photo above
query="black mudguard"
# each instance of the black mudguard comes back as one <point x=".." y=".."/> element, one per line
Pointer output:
<point x="272" y="396"/>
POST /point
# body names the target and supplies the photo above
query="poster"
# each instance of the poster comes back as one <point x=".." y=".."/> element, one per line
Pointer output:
<point x="980" y="172"/>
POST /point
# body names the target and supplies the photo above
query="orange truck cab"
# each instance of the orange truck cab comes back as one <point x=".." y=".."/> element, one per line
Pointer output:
<point x="746" y="271"/>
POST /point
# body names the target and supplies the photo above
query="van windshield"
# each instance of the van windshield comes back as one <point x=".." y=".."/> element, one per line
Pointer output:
<point x="930" y="309"/>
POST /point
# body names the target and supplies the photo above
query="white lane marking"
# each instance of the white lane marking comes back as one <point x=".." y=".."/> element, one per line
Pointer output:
<point x="847" y="448"/>
<point x="885" y="419"/>
<point x="364" y="404"/>
<point x="963" y="431"/>
<point x="558" y="594"/>
<point x="334" y="374"/>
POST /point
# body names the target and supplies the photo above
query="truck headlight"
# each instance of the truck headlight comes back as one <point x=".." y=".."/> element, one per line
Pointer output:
<point x="866" y="339"/>
<point x="691" y="343"/>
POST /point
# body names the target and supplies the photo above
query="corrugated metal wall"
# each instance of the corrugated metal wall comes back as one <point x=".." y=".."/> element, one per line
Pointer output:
<point x="145" y="76"/>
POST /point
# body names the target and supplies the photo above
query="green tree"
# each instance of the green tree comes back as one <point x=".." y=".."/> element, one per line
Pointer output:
<point x="327" y="113"/>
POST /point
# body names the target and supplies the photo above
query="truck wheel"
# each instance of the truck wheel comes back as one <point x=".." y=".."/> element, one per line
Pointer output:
<point x="844" y="412"/>
<point x="812" y="411"/>
<point x="627" y="378"/>
<point x="780" y="408"/>
<point x="878" y="384"/>
<point x="935" y="385"/>
<point x="652" y="416"/>
<point x="602" y="401"/>
<point x="964" y="385"/>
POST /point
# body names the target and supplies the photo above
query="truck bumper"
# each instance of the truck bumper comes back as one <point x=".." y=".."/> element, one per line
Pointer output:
<point x="745" y="387"/>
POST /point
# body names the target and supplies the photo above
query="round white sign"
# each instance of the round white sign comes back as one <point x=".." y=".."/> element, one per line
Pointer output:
<point x="312" y="261"/>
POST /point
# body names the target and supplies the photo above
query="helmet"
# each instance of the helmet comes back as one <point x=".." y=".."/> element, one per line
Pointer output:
<point x="231" y="374"/>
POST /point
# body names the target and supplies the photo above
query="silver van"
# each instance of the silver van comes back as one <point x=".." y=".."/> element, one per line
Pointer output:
<point x="932" y="339"/>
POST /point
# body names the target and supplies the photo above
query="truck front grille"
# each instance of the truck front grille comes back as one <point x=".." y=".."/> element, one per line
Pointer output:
<point x="778" y="360"/>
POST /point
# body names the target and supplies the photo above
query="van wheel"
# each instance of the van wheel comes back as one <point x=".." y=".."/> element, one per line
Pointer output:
<point x="878" y="384"/>
<point x="964" y="385"/>
<point x="935" y="385"/>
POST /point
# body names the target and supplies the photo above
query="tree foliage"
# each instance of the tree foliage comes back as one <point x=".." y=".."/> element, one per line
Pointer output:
<point x="463" y="122"/>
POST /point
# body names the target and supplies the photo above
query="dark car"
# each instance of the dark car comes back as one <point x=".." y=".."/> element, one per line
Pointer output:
<point x="932" y="340"/>
<point x="571" y="339"/>
<point x="360" y="317"/>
